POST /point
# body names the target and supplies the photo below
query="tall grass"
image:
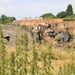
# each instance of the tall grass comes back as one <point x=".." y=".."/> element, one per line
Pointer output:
<point x="68" y="68"/>
<point x="47" y="60"/>
<point x="2" y="54"/>
<point x="12" y="64"/>
<point x="21" y="54"/>
<point x="34" y="66"/>
<point x="19" y="62"/>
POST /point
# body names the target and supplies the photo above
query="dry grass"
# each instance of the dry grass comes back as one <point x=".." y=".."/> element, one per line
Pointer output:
<point x="10" y="49"/>
<point x="60" y="57"/>
<point x="56" y="64"/>
<point x="34" y="22"/>
<point x="60" y="28"/>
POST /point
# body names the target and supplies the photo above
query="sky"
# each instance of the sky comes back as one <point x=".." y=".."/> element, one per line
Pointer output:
<point x="33" y="8"/>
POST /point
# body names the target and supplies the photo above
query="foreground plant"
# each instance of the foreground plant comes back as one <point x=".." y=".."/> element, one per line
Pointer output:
<point x="21" y="59"/>
<point x="68" y="68"/>
<point x="34" y="66"/>
<point x="2" y="54"/>
<point x="47" y="59"/>
<point x="12" y="64"/>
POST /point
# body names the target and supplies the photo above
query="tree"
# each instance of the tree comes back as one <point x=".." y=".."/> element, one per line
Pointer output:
<point x="71" y="16"/>
<point x="69" y="10"/>
<point x="48" y="15"/>
<point x="6" y="20"/>
<point x="3" y="18"/>
<point x="62" y="14"/>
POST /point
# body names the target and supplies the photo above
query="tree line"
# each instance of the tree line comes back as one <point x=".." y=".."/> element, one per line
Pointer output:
<point x="63" y="14"/>
<point x="6" y="19"/>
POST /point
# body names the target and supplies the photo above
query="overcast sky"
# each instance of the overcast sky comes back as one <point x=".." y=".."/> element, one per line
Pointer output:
<point x="33" y="8"/>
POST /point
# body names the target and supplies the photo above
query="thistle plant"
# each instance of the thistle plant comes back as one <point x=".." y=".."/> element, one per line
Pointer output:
<point x="12" y="64"/>
<point x="21" y="53"/>
<point x="17" y="51"/>
<point x="47" y="57"/>
<point x="34" y="66"/>
<point x="2" y="54"/>
<point x="24" y="49"/>
<point x="67" y="69"/>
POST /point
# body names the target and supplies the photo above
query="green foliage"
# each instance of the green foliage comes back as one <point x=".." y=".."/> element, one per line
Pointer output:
<point x="71" y="16"/>
<point x="62" y="14"/>
<point x="34" y="67"/>
<point x="2" y="54"/>
<point x="69" y="10"/>
<point x="12" y="64"/>
<point x="6" y="20"/>
<point x="19" y="63"/>
<point x="21" y="60"/>
<point x="67" y="69"/>
<point x="48" y="15"/>
<point x="47" y="59"/>
<point x="23" y="46"/>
